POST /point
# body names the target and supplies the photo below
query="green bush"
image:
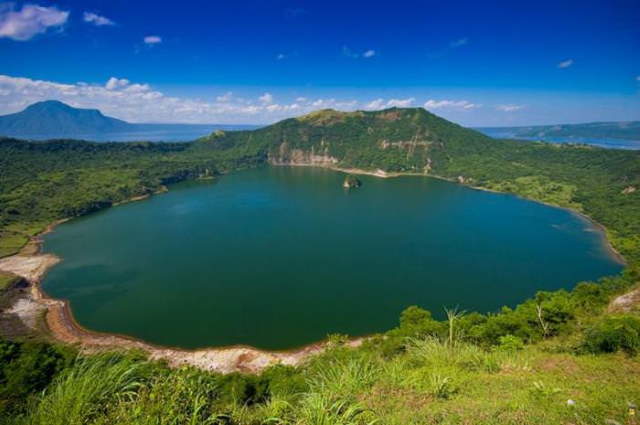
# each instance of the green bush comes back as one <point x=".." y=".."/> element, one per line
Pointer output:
<point x="510" y="343"/>
<point x="612" y="334"/>
<point x="26" y="369"/>
<point x="415" y="322"/>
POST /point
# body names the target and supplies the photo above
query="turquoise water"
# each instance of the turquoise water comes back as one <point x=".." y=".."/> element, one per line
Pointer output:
<point x="278" y="257"/>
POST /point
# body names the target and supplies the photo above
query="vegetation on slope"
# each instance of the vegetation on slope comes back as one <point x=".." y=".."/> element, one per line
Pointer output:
<point x="518" y="365"/>
<point x="422" y="372"/>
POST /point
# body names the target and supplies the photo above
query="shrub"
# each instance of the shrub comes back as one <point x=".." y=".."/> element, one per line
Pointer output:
<point x="441" y="386"/>
<point x="415" y="322"/>
<point x="26" y="369"/>
<point x="510" y="343"/>
<point x="244" y="390"/>
<point x="612" y="334"/>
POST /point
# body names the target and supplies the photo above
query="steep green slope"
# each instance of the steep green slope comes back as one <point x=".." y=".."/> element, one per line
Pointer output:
<point x="396" y="140"/>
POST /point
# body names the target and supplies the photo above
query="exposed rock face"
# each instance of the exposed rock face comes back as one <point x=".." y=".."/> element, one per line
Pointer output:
<point x="287" y="156"/>
<point x="626" y="303"/>
<point x="409" y="145"/>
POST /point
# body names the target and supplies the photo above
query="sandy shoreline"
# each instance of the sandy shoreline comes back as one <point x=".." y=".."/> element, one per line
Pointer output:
<point x="63" y="327"/>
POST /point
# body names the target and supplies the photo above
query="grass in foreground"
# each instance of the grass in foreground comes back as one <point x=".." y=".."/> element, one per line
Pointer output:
<point x="431" y="383"/>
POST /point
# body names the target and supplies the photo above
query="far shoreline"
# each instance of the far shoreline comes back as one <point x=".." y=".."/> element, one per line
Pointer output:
<point x="601" y="228"/>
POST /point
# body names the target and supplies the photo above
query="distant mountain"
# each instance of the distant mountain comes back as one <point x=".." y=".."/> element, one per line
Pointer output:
<point x="59" y="119"/>
<point x="626" y="130"/>
<point x="56" y="120"/>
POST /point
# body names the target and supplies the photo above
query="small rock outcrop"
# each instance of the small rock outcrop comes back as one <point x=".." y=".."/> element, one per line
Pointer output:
<point x="351" y="182"/>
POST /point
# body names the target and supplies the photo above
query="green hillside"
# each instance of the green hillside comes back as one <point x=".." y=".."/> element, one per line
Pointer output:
<point x="560" y="357"/>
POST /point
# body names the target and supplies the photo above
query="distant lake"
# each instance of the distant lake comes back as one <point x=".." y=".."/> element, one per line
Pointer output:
<point x="277" y="257"/>
<point x="506" y="133"/>
<point x="145" y="132"/>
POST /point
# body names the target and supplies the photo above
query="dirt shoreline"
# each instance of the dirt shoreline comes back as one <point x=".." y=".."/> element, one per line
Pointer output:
<point x="63" y="327"/>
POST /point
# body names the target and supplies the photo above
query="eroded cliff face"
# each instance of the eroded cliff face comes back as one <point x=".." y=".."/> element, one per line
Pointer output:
<point x="287" y="156"/>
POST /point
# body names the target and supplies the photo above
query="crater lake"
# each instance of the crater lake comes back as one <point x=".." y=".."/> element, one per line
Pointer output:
<point x="279" y="257"/>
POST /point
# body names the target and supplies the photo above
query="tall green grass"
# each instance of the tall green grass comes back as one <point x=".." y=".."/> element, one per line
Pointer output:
<point x="433" y="382"/>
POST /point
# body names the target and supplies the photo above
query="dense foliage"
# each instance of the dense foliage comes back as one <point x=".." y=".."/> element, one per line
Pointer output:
<point x="517" y="365"/>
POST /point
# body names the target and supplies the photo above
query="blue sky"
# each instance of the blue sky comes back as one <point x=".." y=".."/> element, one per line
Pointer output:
<point x="476" y="63"/>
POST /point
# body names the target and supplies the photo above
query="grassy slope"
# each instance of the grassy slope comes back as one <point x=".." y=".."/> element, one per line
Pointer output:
<point x="431" y="383"/>
<point x="410" y="375"/>
<point x="6" y="279"/>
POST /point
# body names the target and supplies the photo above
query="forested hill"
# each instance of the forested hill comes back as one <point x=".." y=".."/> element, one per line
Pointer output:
<point x="44" y="181"/>
<point x="399" y="140"/>
<point x="54" y="117"/>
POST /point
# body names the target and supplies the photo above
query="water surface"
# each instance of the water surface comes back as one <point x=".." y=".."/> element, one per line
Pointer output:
<point x="279" y="257"/>
<point x="142" y="132"/>
<point x="603" y="142"/>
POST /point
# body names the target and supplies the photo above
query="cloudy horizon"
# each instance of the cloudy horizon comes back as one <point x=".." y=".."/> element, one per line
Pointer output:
<point x="140" y="65"/>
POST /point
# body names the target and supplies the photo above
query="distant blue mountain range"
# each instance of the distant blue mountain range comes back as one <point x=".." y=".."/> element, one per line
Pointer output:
<point x="54" y="119"/>
<point x="626" y="130"/>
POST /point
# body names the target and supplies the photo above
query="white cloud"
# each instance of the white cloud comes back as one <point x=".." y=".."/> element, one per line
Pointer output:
<point x="266" y="98"/>
<point x="29" y="21"/>
<point x="139" y="102"/>
<point x="383" y="104"/>
<point x="152" y="39"/>
<point x="509" y="108"/>
<point x="96" y="19"/>
<point x="375" y="104"/>
<point x="369" y="53"/>
<point x="638" y="78"/>
<point x="459" y="43"/>
<point x="450" y="104"/>
<point x="401" y="103"/>
<point x="225" y="97"/>
<point x="565" y="64"/>
<point x="281" y="56"/>
<point x="114" y="83"/>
